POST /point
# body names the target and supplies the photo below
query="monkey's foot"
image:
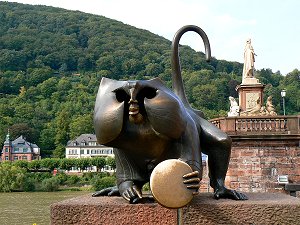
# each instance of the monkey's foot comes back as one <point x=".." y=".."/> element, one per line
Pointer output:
<point x="230" y="194"/>
<point x="111" y="191"/>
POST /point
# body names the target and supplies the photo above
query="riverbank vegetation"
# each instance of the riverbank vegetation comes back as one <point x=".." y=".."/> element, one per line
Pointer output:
<point x="54" y="175"/>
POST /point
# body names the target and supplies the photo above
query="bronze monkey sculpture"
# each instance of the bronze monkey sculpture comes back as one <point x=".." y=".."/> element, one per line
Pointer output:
<point x="146" y="123"/>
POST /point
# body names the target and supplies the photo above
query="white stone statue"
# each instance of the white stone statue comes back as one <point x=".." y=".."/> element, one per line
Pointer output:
<point x="234" y="107"/>
<point x="270" y="109"/>
<point x="248" y="70"/>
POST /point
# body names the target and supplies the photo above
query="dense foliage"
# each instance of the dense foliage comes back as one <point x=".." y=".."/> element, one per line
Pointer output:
<point x="38" y="175"/>
<point x="52" y="60"/>
<point x="65" y="163"/>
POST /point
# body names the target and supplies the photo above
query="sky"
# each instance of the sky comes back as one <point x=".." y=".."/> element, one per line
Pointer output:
<point x="273" y="26"/>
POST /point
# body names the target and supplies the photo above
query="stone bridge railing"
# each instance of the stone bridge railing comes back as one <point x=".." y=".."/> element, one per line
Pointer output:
<point x="258" y="125"/>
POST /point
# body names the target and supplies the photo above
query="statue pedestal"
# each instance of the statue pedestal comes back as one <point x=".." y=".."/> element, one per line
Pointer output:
<point x="250" y="80"/>
<point x="248" y="94"/>
<point x="261" y="208"/>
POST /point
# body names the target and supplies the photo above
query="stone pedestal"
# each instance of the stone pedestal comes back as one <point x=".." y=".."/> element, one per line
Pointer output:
<point x="263" y="208"/>
<point x="248" y="94"/>
<point x="109" y="211"/>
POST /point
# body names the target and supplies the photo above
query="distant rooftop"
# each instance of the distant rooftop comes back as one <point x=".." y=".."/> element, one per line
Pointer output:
<point x="83" y="138"/>
<point x="21" y="145"/>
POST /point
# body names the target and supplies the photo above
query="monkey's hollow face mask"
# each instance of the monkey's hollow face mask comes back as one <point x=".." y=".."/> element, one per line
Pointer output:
<point x="143" y="103"/>
<point x="133" y="95"/>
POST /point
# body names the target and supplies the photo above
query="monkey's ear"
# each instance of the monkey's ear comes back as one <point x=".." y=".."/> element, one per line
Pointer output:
<point x="108" y="112"/>
<point x="108" y="85"/>
<point x="166" y="114"/>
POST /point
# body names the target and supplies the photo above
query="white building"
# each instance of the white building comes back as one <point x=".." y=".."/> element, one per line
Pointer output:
<point x="86" y="146"/>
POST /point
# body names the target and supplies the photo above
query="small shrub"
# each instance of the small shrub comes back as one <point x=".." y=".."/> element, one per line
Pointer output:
<point x="28" y="184"/>
<point x="34" y="164"/>
<point x="72" y="179"/>
<point x="50" y="184"/>
<point x="88" y="176"/>
<point x="104" y="182"/>
<point x="21" y="163"/>
<point x="40" y="176"/>
<point x="62" y="177"/>
<point x="101" y="174"/>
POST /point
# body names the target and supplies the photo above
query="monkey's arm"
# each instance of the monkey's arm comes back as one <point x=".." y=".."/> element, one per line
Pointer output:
<point x="129" y="178"/>
<point x="190" y="152"/>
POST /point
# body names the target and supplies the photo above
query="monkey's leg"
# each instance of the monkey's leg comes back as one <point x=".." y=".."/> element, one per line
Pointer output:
<point x="217" y="145"/>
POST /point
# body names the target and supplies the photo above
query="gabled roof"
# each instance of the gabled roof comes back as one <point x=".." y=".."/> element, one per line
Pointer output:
<point x="21" y="141"/>
<point x="20" y="145"/>
<point x="83" y="138"/>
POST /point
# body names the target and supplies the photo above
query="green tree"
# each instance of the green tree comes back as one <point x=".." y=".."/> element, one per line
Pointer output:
<point x="38" y="75"/>
<point x="62" y="132"/>
<point x="50" y="163"/>
<point x="82" y="124"/>
<point x="67" y="163"/>
<point x="35" y="165"/>
<point x="83" y="163"/>
<point x="11" y="177"/>
<point x="110" y="161"/>
<point x="18" y="129"/>
<point x="21" y="163"/>
<point x="99" y="162"/>
<point x="47" y="138"/>
<point x="59" y="151"/>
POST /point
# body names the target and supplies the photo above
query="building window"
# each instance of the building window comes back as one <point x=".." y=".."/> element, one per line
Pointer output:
<point x="82" y="143"/>
<point x="88" y="151"/>
<point x="16" y="149"/>
<point x="92" y="143"/>
<point x="73" y="152"/>
<point x="6" y="157"/>
<point x="15" y="158"/>
<point x="25" y="149"/>
<point x="6" y="149"/>
<point x="81" y="151"/>
<point x="24" y="157"/>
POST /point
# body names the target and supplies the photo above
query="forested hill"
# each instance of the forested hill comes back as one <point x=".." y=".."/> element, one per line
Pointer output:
<point x="52" y="60"/>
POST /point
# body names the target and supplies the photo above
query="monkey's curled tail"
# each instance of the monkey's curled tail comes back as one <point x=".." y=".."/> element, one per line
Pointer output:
<point x="177" y="82"/>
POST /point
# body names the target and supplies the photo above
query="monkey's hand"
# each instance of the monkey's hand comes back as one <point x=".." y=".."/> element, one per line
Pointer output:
<point x="110" y="191"/>
<point x="192" y="181"/>
<point x="130" y="192"/>
<point x="223" y="192"/>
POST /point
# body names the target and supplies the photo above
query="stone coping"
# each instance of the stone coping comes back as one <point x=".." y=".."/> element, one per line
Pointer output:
<point x="261" y="208"/>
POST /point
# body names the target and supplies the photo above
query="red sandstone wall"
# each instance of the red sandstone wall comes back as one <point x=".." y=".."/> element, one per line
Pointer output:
<point x="255" y="165"/>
